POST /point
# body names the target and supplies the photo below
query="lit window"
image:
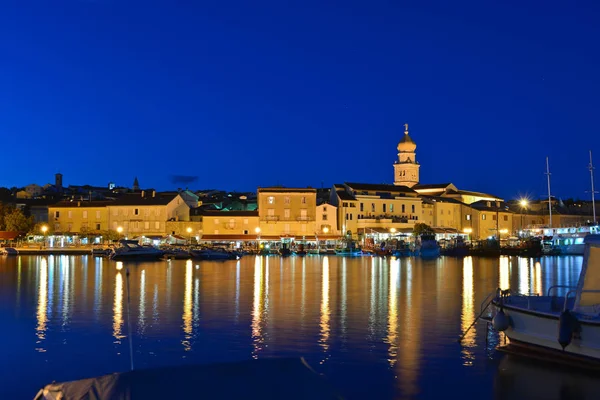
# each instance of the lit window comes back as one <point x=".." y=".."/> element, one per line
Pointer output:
<point x="69" y="214"/>
<point x="286" y="213"/>
<point x="391" y="208"/>
<point x="483" y="216"/>
<point x="146" y="225"/>
<point x="216" y="221"/>
<point x="98" y="215"/>
<point x="468" y="216"/>
<point x="84" y="214"/>
<point x="157" y="225"/>
<point x="271" y="199"/>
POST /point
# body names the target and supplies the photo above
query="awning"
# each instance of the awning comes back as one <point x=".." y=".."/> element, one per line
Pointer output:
<point x="9" y="235"/>
<point x="385" y="230"/>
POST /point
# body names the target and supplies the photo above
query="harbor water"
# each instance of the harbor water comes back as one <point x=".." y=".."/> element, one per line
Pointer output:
<point x="377" y="328"/>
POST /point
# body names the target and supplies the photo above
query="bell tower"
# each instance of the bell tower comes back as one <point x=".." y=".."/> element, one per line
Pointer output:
<point x="406" y="169"/>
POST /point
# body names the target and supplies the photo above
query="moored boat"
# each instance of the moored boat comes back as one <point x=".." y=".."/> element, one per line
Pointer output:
<point x="429" y="247"/>
<point x="532" y="322"/>
<point x="131" y="250"/>
<point x="216" y="253"/>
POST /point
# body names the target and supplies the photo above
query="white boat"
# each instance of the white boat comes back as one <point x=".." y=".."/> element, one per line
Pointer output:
<point x="569" y="240"/>
<point x="131" y="250"/>
<point x="567" y="326"/>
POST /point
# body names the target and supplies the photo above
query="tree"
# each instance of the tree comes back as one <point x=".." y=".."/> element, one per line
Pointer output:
<point x="16" y="221"/>
<point x="422" y="229"/>
<point x="37" y="229"/>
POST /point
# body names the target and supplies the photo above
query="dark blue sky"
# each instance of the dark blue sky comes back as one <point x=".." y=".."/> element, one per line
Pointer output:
<point x="246" y="94"/>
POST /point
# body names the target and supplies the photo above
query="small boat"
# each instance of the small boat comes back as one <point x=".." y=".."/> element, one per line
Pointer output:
<point x="131" y="250"/>
<point x="532" y="322"/>
<point x="177" y="254"/>
<point x="8" y="251"/>
<point x="458" y="248"/>
<point x="101" y="251"/>
<point x="429" y="247"/>
<point x="348" y="252"/>
<point x="277" y="378"/>
<point x="284" y="251"/>
<point x="216" y="253"/>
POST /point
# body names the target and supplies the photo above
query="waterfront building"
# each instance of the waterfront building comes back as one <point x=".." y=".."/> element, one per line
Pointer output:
<point x="365" y="209"/>
<point x="406" y="168"/>
<point x="326" y="220"/>
<point x="288" y="213"/>
<point x="77" y="217"/>
<point x="230" y="226"/>
<point x="494" y="219"/>
<point x="146" y="213"/>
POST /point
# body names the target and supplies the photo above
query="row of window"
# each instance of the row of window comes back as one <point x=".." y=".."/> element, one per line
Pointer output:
<point x="137" y="225"/>
<point x="84" y="227"/>
<point x="286" y="200"/>
<point x="286" y="229"/>
<point x="115" y="212"/>
<point x="483" y="217"/>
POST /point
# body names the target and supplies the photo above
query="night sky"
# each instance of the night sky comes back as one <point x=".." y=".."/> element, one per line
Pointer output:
<point x="243" y="94"/>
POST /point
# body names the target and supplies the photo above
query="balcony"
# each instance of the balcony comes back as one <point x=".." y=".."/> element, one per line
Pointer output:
<point x="304" y="218"/>
<point x="271" y="218"/>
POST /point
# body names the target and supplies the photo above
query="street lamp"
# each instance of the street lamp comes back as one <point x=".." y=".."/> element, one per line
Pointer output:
<point x="392" y="230"/>
<point x="189" y="231"/>
<point x="119" y="231"/>
<point x="325" y="229"/>
<point x="44" y="230"/>
<point x="524" y="203"/>
<point x="257" y="231"/>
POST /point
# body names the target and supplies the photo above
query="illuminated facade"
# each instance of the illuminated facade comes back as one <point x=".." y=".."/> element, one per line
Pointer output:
<point x="146" y="213"/>
<point x="78" y="217"/>
<point x="365" y="208"/>
<point x="287" y="212"/>
<point x="230" y="225"/>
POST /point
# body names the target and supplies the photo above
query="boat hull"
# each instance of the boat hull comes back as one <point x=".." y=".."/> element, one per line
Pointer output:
<point x="571" y="249"/>
<point x="136" y="257"/>
<point x="540" y="329"/>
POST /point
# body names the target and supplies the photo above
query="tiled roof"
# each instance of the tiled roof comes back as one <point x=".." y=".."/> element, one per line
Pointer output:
<point x="78" y="203"/>
<point x="225" y="214"/>
<point x="432" y="186"/>
<point x="380" y="187"/>
<point x="286" y="190"/>
<point x="479" y="194"/>
<point x="136" y="199"/>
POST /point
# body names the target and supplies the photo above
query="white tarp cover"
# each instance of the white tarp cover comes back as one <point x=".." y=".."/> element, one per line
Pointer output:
<point x="589" y="302"/>
<point x="256" y="379"/>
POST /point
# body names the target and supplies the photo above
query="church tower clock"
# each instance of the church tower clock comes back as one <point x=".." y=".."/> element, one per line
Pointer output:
<point x="406" y="169"/>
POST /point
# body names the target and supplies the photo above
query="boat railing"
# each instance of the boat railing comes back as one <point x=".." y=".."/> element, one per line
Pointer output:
<point x="577" y="292"/>
<point x="560" y="287"/>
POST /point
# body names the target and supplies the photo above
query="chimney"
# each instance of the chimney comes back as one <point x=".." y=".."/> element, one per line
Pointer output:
<point x="143" y="192"/>
<point x="154" y="193"/>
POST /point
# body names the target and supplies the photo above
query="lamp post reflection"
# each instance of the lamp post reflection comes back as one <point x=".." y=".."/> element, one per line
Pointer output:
<point x="324" y="320"/>
<point x="468" y="312"/>
<point x="42" y="306"/>
<point x="187" y="306"/>
<point x="258" y="307"/>
<point x="392" y="337"/>
<point x="118" y="307"/>
<point x="504" y="280"/>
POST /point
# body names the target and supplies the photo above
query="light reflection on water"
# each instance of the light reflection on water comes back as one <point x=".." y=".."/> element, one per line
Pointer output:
<point x="377" y="327"/>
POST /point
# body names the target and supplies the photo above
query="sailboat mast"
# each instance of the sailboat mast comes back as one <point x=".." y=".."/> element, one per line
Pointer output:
<point x="592" y="178"/>
<point x="549" y="197"/>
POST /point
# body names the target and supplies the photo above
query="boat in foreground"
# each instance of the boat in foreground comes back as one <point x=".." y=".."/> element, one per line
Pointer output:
<point x="290" y="378"/>
<point x="566" y="326"/>
<point x="131" y="250"/>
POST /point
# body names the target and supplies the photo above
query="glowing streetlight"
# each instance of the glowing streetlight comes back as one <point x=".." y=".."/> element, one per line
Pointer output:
<point x="392" y="230"/>
<point x="257" y="231"/>
<point x="44" y="230"/>
<point x="524" y="203"/>
<point x="119" y="231"/>
<point x="189" y="231"/>
<point x="325" y="229"/>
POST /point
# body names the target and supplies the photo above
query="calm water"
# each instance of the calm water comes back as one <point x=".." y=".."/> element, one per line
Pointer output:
<point x="377" y="328"/>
